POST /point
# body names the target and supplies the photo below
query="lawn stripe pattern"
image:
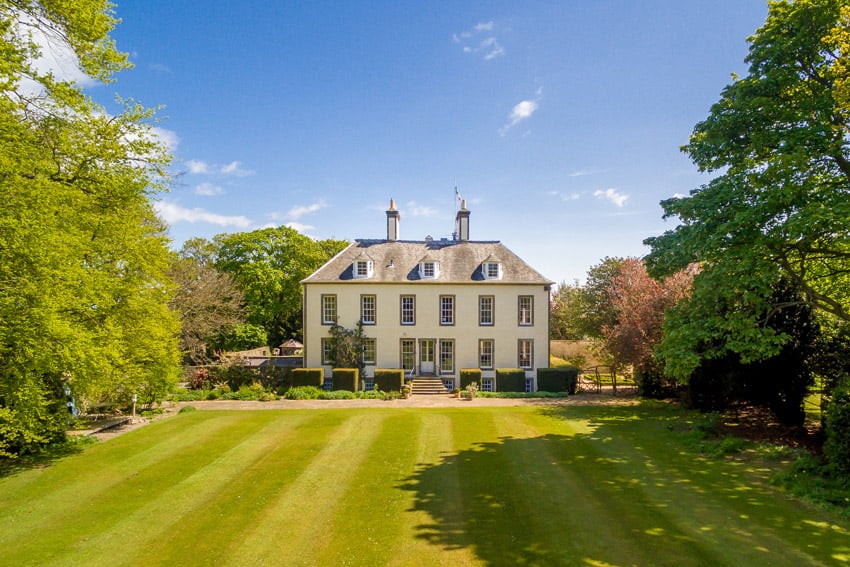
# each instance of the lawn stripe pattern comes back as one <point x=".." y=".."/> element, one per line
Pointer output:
<point x="472" y="486"/>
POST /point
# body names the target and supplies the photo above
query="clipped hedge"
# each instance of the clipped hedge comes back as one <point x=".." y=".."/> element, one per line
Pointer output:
<point x="308" y="377"/>
<point x="468" y="376"/>
<point x="236" y="375"/>
<point x="389" y="379"/>
<point x="560" y="379"/>
<point x="510" y="380"/>
<point x="346" y="379"/>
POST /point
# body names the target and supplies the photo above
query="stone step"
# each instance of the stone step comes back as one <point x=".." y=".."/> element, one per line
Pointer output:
<point x="427" y="387"/>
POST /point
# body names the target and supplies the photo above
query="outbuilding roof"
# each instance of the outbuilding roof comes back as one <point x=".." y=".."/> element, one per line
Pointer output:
<point x="398" y="261"/>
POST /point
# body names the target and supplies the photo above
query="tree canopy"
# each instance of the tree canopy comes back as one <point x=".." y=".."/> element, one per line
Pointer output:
<point x="83" y="291"/>
<point x="779" y="204"/>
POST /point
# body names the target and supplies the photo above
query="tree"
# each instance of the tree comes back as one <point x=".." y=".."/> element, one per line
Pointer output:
<point x="268" y="266"/>
<point x="778" y="208"/>
<point x="209" y="304"/>
<point x="345" y="349"/>
<point x="563" y="312"/>
<point x="83" y="291"/>
<point x="639" y="304"/>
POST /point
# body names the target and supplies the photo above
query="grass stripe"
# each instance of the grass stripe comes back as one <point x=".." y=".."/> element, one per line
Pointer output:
<point x="99" y="509"/>
<point x="299" y="518"/>
<point x="186" y="505"/>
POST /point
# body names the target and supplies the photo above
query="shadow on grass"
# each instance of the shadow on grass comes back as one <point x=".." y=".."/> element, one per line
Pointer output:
<point x="624" y="490"/>
<point x="50" y="455"/>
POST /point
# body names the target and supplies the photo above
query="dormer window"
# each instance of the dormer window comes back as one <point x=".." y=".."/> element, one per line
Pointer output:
<point x="428" y="270"/>
<point x="491" y="268"/>
<point x="363" y="268"/>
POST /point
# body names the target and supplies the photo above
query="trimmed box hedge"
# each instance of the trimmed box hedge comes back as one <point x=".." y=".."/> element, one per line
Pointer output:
<point x="510" y="380"/>
<point x="560" y="379"/>
<point x="468" y="376"/>
<point x="389" y="379"/>
<point x="346" y="379"/>
<point x="308" y="377"/>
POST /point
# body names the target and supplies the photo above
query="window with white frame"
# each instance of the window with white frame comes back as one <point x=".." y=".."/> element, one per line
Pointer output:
<point x="408" y="309"/>
<point x="525" y="356"/>
<point x="492" y="270"/>
<point x="485" y="310"/>
<point x="370" y="354"/>
<point x="447" y="310"/>
<point x="487" y="385"/>
<point x="363" y="268"/>
<point x="447" y="356"/>
<point x="526" y="310"/>
<point x="408" y="354"/>
<point x="328" y="309"/>
<point x="429" y="269"/>
<point x="529" y="384"/>
<point x="326" y="350"/>
<point x="368" y="307"/>
<point x="485" y="354"/>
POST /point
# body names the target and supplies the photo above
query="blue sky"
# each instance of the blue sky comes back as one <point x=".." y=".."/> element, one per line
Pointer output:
<point x="560" y="122"/>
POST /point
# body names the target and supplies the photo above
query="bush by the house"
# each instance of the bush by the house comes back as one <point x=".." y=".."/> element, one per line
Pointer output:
<point x="346" y="379"/>
<point x="303" y="393"/>
<point x="559" y="379"/>
<point x="468" y="376"/>
<point x="510" y="380"/>
<point x="837" y="427"/>
<point x="308" y="377"/>
<point x="389" y="379"/>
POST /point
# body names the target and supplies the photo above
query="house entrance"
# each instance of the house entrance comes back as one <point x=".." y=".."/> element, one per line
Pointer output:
<point x="426" y="356"/>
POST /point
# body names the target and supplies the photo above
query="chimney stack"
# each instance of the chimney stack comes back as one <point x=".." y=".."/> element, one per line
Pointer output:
<point x="462" y="223"/>
<point x="393" y="219"/>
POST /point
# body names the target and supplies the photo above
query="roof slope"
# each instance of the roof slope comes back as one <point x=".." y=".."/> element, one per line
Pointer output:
<point x="398" y="261"/>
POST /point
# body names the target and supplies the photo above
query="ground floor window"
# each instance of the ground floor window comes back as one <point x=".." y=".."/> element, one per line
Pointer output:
<point x="447" y="356"/>
<point x="449" y="383"/>
<point x="529" y="384"/>
<point x="486" y="384"/>
<point x="368" y="384"/>
<point x="408" y="354"/>
<point x="526" y="353"/>
<point x="370" y="354"/>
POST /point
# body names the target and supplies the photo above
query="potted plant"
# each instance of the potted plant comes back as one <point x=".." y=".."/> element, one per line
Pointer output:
<point x="471" y="390"/>
<point x="456" y="392"/>
<point x="405" y="391"/>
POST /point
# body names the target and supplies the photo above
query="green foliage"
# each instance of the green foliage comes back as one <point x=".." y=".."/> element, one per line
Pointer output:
<point x="837" y="429"/>
<point x="303" y="393"/>
<point x="468" y="376"/>
<point x="308" y="377"/>
<point x="346" y="379"/>
<point x="84" y="295"/>
<point x="268" y="266"/>
<point x="345" y="347"/>
<point x="338" y="395"/>
<point x="235" y="375"/>
<point x="560" y="379"/>
<point x="389" y="379"/>
<point x="242" y="336"/>
<point x="510" y="380"/>
<point x="778" y="207"/>
<point x="187" y="409"/>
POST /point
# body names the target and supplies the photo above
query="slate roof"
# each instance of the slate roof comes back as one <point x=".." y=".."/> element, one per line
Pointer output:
<point x="398" y="261"/>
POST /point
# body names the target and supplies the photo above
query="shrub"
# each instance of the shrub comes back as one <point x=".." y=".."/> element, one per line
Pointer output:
<point x="560" y="379"/>
<point x="346" y="379"/>
<point x="308" y="377"/>
<point x="235" y="375"/>
<point x="187" y="409"/>
<point x="337" y="395"/>
<point x="389" y="379"/>
<point x="468" y="376"/>
<point x="510" y="380"/>
<point x="201" y="380"/>
<point x="837" y="428"/>
<point x="303" y="393"/>
<point x="370" y="394"/>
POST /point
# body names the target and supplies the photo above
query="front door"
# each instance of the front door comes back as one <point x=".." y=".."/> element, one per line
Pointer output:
<point x="426" y="356"/>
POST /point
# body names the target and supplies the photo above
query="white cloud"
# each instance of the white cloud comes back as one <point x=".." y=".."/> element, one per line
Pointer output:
<point x="302" y="228"/>
<point x="416" y="210"/>
<point x="197" y="166"/>
<point x="167" y="137"/>
<point x="296" y="213"/>
<point x="173" y="213"/>
<point x="619" y="199"/>
<point x="208" y="189"/>
<point x="472" y="41"/>
<point x="521" y="111"/>
<point x="574" y="196"/>
<point x="585" y="172"/>
<point x="235" y="168"/>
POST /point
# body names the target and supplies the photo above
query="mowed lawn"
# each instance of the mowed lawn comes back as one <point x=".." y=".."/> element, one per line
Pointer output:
<point x="572" y="485"/>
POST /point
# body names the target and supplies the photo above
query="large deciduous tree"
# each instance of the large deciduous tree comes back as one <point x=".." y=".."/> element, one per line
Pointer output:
<point x="268" y="266"/>
<point x="83" y="291"/>
<point x="780" y="203"/>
